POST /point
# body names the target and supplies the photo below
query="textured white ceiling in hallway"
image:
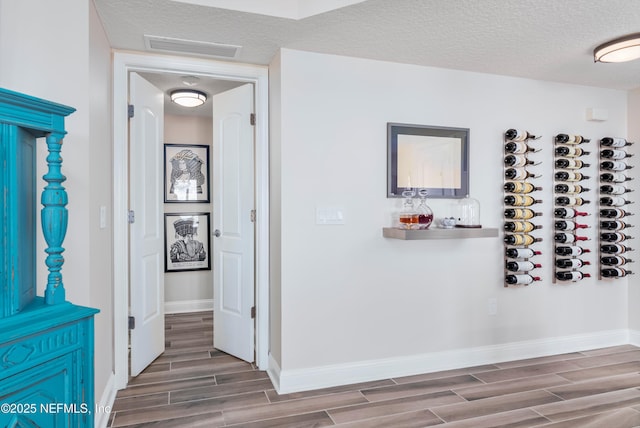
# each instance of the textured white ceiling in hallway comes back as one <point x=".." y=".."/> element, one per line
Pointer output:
<point x="540" y="39"/>
<point x="292" y="9"/>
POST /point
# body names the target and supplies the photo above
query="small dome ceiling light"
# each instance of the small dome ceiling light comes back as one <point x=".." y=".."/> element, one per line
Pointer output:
<point x="188" y="97"/>
<point x="622" y="49"/>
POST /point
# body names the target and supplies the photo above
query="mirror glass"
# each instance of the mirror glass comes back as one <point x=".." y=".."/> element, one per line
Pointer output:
<point x="431" y="157"/>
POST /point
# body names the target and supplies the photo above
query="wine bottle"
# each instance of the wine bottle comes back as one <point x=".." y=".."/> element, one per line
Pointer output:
<point x="614" y="142"/>
<point x="520" y="187"/>
<point x="520" y="200"/>
<point x="524" y="266"/>
<point x="614" y="237"/>
<point x="568" y="238"/>
<point x="614" y="225"/>
<point x="614" y="272"/>
<point x="519" y="135"/>
<point x="520" y="239"/>
<point x="521" y="253"/>
<point x="614" y="249"/>
<point x="614" y="201"/>
<point x="570" y="263"/>
<point x="571" y="152"/>
<point x="614" y="154"/>
<point x="570" y="200"/>
<point x="518" y="147"/>
<point x="614" y="166"/>
<point x="614" y="189"/>
<point x="520" y="213"/>
<point x="614" y="177"/>
<point x="570" y="163"/>
<point x="569" y="225"/>
<point x="570" y="188"/>
<point x="568" y="213"/>
<point x="615" y="260"/>
<point x="571" y="251"/>
<point x="518" y="174"/>
<point x="571" y="139"/>
<point x="614" y="213"/>
<point x="521" y="279"/>
<point x="570" y="176"/>
<point x="520" y="226"/>
<point x="517" y="160"/>
<point x="572" y="275"/>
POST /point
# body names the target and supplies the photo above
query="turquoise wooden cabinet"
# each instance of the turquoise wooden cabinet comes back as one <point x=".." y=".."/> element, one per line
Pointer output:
<point x="46" y="342"/>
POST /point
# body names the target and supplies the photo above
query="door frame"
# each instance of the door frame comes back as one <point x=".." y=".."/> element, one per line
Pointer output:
<point x="123" y="63"/>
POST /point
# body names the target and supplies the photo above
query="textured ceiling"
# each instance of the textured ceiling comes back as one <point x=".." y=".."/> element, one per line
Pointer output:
<point x="540" y="39"/>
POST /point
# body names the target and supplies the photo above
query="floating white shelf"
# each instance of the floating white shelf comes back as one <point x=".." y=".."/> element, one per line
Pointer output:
<point x="455" y="233"/>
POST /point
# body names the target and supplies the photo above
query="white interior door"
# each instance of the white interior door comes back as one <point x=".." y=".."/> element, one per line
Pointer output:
<point x="233" y="225"/>
<point x="147" y="230"/>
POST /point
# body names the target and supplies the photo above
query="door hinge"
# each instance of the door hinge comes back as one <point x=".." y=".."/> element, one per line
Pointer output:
<point x="253" y="216"/>
<point x="252" y="119"/>
<point x="130" y="111"/>
<point x="132" y="323"/>
<point x="253" y="312"/>
<point x="131" y="216"/>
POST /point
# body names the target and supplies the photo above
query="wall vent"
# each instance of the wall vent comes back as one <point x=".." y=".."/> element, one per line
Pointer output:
<point x="192" y="47"/>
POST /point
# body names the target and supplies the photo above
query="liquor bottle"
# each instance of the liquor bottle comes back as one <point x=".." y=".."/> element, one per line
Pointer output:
<point x="569" y="225"/>
<point x="570" y="176"/>
<point x="570" y="188"/>
<point x="568" y="213"/>
<point x="570" y="163"/>
<point x="570" y="263"/>
<point x="614" y="249"/>
<point x="570" y="251"/>
<point x="520" y="200"/>
<point x="520" y="187"/>
<point x="614" y="237"/>
<point x="614" y="201"/>
<point x="517" y="161"/>
<point x="568" y="238"/>
<point x="614" y="225"/>
<point x="521" y="266"/>
<point x="614" y="177"/>
<point x="521" y="253"/>
<point x="520" y="226"/>
<point x="519" y="135"/>
<point x="521" y="279"/>
<point x="614" y="142"/>
<point x="572" y="275"/>
<point x="615" y="260"/>
<point x="570" y="139"/>
<point x="520" y="239"/>
<point x="570" y="152"/>
<point x="614" y="154"/>
<point x="614" y="213"/>
<point x="520" y="213"/>
<point x="518" y="147"/>
<point x="614" y="166"/>
<point x="570" y="200"/>
<point x="614" y="189"/>
<point x="614" y="272"/>
<point x="518" y="174"/>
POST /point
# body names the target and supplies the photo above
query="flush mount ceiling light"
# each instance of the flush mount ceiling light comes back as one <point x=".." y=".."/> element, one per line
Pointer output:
<point x="188" y="97"/>
<point x="621" y="49"/>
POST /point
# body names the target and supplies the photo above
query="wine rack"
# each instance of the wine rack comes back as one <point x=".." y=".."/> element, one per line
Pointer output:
<point x="519" y="208"/>
<point x="613" y="232"/>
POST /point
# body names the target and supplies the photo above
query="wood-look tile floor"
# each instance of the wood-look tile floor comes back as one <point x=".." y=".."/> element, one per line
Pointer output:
<point x="194" y="385"/>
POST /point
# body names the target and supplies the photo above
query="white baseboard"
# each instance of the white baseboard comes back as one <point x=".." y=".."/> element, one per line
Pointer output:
<point x="634" y="337"/>
<point x="296" y="380"/>
<point x="103" y="407"/>
<point x="182" y="306"/>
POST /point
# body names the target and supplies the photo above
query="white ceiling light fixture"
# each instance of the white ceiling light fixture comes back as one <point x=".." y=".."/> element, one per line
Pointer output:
<point x="622" y="49"/>
<point x="188" y="97"/>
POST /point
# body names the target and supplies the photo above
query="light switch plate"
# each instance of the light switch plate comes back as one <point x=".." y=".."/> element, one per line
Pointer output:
<point x="330" y="215"/>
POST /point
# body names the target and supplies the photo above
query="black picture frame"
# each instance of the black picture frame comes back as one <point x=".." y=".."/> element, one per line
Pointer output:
<point x="182" y="251"/>
<point x="436" y="157"/>
<point x="186" y="173"/>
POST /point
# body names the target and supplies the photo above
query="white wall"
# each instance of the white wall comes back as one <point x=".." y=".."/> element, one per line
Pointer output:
<point x="634" y="281"/>
<point x="347" y="294"/>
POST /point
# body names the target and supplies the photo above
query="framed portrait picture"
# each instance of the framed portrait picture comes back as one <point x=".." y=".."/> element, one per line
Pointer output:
<point x="186" y="241"/>
<point x="186" y="173"/>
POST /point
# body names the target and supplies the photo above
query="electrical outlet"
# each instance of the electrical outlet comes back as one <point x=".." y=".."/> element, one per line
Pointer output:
<point x="492" y="306"/>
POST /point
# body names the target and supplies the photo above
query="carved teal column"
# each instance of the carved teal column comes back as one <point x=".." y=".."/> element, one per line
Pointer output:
<point x="54" y="219"/>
